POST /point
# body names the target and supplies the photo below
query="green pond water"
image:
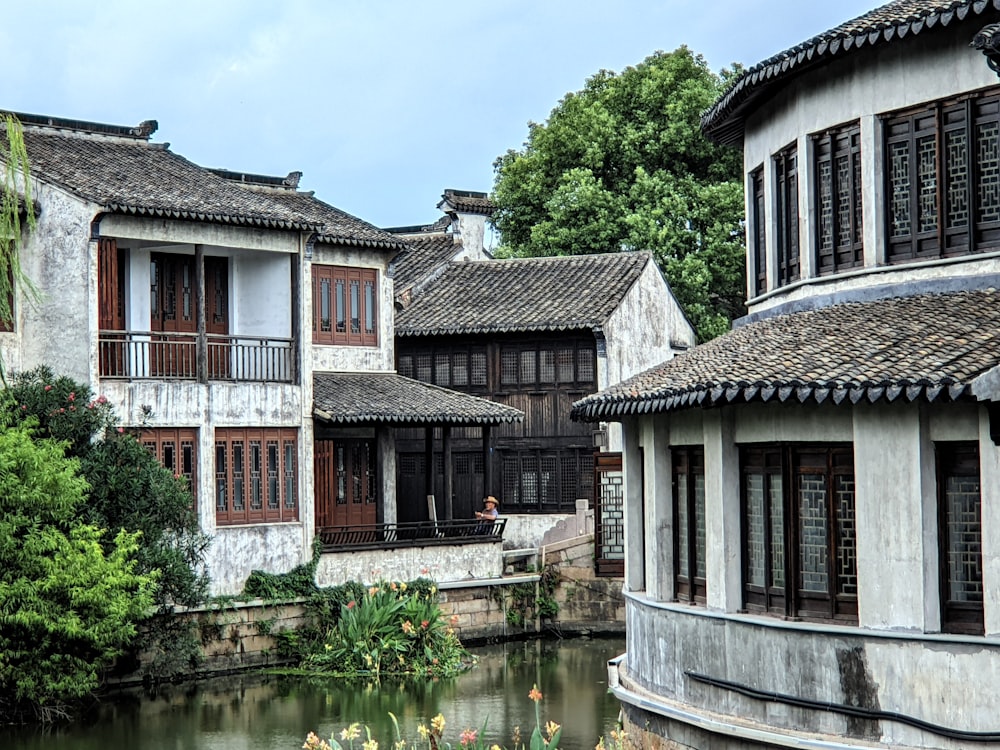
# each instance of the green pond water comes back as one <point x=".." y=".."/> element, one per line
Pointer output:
<point x="267" y="712"/>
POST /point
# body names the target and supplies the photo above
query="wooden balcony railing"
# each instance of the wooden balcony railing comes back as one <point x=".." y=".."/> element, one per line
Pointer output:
<point x="134" y="355"/>
<point x="413" y="534"/>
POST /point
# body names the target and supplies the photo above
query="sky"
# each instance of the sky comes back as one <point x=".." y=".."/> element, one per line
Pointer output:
<point x="381" y="104"/>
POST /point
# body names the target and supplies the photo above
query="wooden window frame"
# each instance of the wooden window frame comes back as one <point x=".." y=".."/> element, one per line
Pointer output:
<point x="160" y="440"/>
<point x="959" y="459"/>
<point x="523" y="473"/>
<point x="351" y="299"/>
<point x="462" y="367"/>
<point x="688" y="464"/>
<point x="841" y="200"/>
<point x="524" y="366"/>
<point x="784" y="467"/>
<point x="787" y="226"/>
<point x="959" y="225"/>
<point x="252" y="483"/>
<point x="758" y="240"/>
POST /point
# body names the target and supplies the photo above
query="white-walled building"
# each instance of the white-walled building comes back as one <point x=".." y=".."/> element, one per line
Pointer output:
<point x="812" y="535"/>
<point x="231" y="316"/>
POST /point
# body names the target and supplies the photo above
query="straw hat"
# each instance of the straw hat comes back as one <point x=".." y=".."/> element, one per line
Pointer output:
<point x="490" y="499"/>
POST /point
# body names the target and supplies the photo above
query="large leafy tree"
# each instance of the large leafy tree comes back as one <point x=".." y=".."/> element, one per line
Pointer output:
<point x="69" y="600"/>
<point x="623" y="165"/>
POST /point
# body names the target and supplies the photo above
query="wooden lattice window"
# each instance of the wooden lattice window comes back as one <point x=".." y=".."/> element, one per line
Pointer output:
<point x="960" y="537"/>
<point x="787" y="204"/>
<point x="689" y="523"/>
<point x="546" y="481"/>
<point x="176" y="448"/>
<point x="942" y="165"/>
<point x="256" y="479"/>
<point x="544" y="365"/>
<point x="345" y="305"/>
<point x="758" y="237"/>
<point x="839" y="230"/>
<point x="799" y="531"/>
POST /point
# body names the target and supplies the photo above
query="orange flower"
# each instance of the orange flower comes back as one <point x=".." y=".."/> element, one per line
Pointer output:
<point x="535" y="694"/>
<point x="351" y="604"/>
<point x="407" y="627"/>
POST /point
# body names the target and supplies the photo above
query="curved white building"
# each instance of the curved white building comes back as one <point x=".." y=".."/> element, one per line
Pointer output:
<point x="813" y="500"/>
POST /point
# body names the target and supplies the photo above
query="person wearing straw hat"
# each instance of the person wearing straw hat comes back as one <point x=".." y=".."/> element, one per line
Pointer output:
<point x="489" y="511"/>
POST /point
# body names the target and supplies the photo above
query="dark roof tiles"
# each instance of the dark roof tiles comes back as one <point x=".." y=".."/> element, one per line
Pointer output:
<point x="575" y="292"/>
<point x="388" y="398"/>
<point x="886" y="24"/>
<point x="338" y="227"/>
<point x="909" y="347"/>
<point x="132" y="176"/>
<point x="422" y="256"/>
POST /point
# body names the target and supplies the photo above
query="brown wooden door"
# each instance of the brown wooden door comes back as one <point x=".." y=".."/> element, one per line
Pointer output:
<point x="111" y="307"/>
<point x="345" y="478"/>
<point x="172" y="311"/>
<point x="217" y="317"/>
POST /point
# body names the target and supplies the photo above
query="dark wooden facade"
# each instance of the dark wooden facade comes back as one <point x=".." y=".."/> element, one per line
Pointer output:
<point x="541" y="465"/>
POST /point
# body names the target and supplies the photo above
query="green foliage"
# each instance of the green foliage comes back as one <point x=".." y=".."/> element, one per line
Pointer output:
<point x="390" y="629"/>
<point x="67" y="606"/>
<point x="275" y="587"/>
<point x="623" y="165"/>
<point x="16" y="182"/>
<point x="521" y="602"/>
<point x="62" y="409"/>
<point x="130" y="490"/>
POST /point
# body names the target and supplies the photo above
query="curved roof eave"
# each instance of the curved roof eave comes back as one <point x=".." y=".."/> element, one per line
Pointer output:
<point x="723" y="121"/>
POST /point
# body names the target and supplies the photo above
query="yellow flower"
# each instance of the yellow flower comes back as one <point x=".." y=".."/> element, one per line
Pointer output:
<point x="437" y="724"/>
<point x="407" y="627"/>
<point x="600" y="745"/>
<point x="402" y="586"/>
<point x="535" y="694"/>
<point x="370" y="744"/>
<point x="423" y="731"/>
<point x="551" y="728"/>
<point x="495" y="747"/>
<point x="351" y="732"/>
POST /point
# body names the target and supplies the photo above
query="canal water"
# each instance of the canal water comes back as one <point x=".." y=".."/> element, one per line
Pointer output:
<point x="268" y="712"/>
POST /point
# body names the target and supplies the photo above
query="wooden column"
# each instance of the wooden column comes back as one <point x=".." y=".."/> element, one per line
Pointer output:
<point x="449" y="478"/>
<point x="488" y="461"/>
<point x="429" y="463"/>
<point x="201" y="347"/>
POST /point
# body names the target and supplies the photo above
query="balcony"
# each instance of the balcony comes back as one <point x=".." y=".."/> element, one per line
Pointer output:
<point x="137" y="355"/>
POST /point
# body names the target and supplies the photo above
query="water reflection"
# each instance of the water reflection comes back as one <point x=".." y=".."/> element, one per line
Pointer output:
<point x="261" y="712"/>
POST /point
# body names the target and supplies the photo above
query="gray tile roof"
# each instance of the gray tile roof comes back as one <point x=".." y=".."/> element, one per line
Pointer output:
<point x="339" y="227"/>
<point x="467" y="201"/>
<point x="422" y="257"/>
<point x="388" y="398"/>
<point x="883" y="25"/>
<point x="908" y="348"/>
<point x="576" y="292"/>
<point x="119" y="169"/>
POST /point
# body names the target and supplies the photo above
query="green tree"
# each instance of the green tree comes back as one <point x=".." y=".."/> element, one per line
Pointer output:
<point x="128" y="489"/>
<point x="15" y="200"/>
<point x="67" y="608"/>
<point x="623" y="165"/>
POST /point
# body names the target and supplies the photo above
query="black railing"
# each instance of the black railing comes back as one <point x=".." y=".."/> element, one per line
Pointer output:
<point x="413" y="534"/>
<point x="174" y="356"/>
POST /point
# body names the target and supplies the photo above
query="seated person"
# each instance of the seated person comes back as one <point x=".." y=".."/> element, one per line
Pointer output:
<point x="487" y="515"/>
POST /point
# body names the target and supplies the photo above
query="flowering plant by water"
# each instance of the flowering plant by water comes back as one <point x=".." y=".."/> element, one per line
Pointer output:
<point x="390" y="630"/>
<point x="432" y="737"/>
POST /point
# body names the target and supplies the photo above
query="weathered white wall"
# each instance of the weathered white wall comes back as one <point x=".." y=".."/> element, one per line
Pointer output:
<point x="440" y="563"/>
<point x="528" y="530"/>
<point x="862" y="86"/>
<point x="61" y="328"/>
<point x="947" y="680"/>
<point x="236" y="551"/>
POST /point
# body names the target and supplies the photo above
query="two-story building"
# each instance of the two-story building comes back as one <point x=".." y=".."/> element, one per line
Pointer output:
<point x="812" y="536"/>
<point x="246" y="326"/>
<point x="536" y="334"/>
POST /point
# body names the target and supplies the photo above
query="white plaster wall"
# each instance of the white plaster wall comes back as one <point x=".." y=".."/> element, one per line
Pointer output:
<point x="169" y="232"/>
<point x="527" y="530"/>
<point x="442" y="564"/>
<point x="641" y="330"/>
<point x="862" y="86"/>
<point x="260" y="297"/>
<point x="60" y="330"/>
<point x="236" y="551"/>
<point x="947" y="680"/>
